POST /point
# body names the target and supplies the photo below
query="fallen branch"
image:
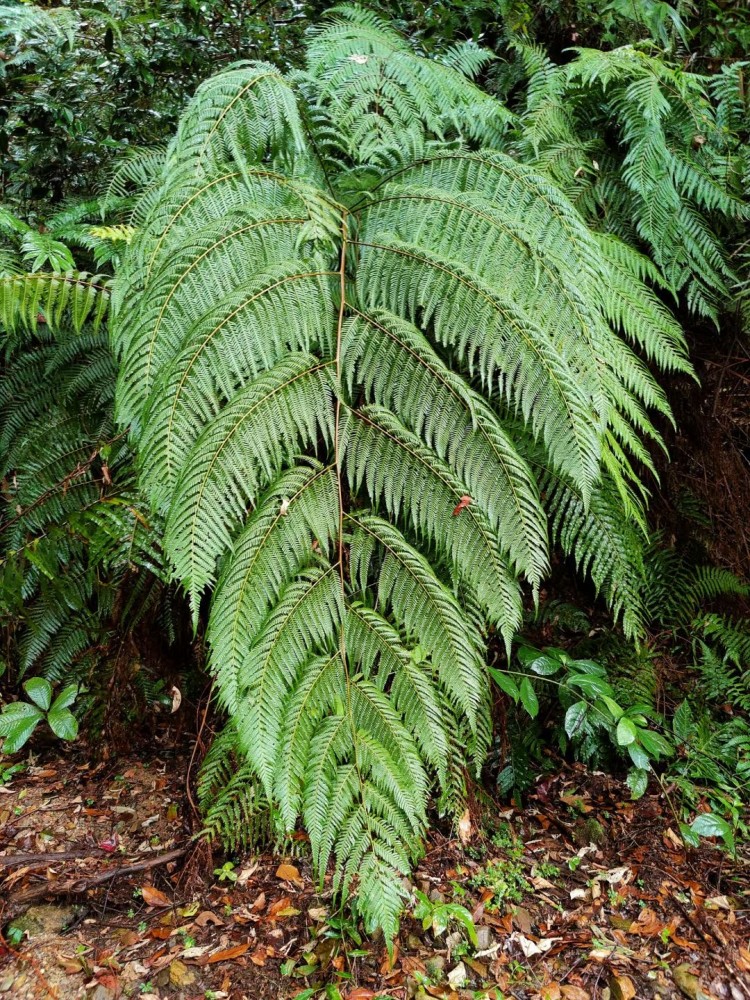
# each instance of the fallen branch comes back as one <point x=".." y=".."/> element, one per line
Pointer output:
<point x="50" y="858"/>
<point x="78" y="886"/>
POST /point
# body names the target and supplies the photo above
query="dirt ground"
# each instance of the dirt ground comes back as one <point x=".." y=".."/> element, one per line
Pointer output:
<point x="581" y="894"/>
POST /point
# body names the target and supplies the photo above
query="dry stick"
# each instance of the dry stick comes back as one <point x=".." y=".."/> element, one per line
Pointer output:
<point x="51" y="858"/>
<point x="77" y="886"/>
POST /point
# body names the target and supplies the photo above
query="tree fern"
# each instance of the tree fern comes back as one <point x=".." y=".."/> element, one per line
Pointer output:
<point x="366" y="357"/>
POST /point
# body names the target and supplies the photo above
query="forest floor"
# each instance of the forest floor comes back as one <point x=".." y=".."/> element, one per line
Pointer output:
<point x="581" y="894"/>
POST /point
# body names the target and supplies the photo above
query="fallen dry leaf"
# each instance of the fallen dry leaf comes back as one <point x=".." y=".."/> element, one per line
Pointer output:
<point x="621" y="988"/>
<point x="550" y="992"/>
<point x="259" y="956"/>
<point x="361" y="993"/>
<point x="464" y="827"/>
<point x="574" y="993"/>
<point x="176" y="698"/>
<point x="154" y="897"/>
<point x="280" y="904"/>
<point x="207" y="917"/>
<point x="259" y="904"/>
<point x="180" y="975"/>
<point x="288" y="873"/>
<point x="228" y="954"/>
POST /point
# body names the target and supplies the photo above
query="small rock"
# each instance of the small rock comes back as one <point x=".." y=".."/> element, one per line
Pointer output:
<point x="621" y="988"/>
<point x="484" y="938"/>
<point x="102" y="993"/>
<point x="686" y="981"/>
<point x="436" y="896"/>
<point x="413" y="943"/>
<point x="454" y="940"/>
<point x="7" y="982"/>
<point x="457" y="977"/>
<point x="435" y="967"/>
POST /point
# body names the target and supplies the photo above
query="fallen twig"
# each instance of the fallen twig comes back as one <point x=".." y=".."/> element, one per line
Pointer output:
<point x="50" y="858"/>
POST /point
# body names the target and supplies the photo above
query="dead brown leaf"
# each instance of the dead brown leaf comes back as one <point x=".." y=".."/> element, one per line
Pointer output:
<point x="361" y="993"/>
<point x="280" y="904"/>
<point x="180" y="975"/>
<point x="228" y="954"/>
<point x="574" y="993"/>
<point x="464" y="827"/>
<point x="207" y="917"/>
<point x="154" y="897"/>
<point x="260" y="903"/>
<point x="621" y="988"/>
<point x="550" y="992"/>
<point x="288" y="873"/>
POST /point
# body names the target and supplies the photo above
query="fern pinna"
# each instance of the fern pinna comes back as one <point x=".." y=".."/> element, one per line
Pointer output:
<point x="361" y="348"/>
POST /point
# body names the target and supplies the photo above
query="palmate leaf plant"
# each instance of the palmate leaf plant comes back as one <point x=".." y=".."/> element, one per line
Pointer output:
<point x="370" y="364"/>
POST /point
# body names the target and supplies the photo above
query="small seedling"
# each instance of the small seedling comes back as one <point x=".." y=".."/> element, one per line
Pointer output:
<point x="226" y="873"/>
<point x="438" y="916"/>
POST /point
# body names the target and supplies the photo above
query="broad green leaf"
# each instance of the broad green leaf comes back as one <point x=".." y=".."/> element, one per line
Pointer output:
<point x="689" y="836"/>
<point x="710" y="825"/>
<point x="655" y="744"/>
<point x="545" y="666"/>
<point x="639" y="756"/>
<point x="16" y="711"/>
<point x="66" y="697"/>
<point x="40" y="691"/>
<point x="616" y="710"/>
<point x="17" y="722"/>
<point x="528" y="697"/>
<point x="588" y="667"/>
<point x="575" y="718"/>
<point x="63" y="723"/>
<point x="590" y="684"/>
<point x="637" y="781"/>
<point x="627" y="732"/>
<point x="505" y="682"/>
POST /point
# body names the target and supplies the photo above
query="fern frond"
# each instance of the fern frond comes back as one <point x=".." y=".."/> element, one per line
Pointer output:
<point x="73" y="296"/>
<point x="359" y="360"/>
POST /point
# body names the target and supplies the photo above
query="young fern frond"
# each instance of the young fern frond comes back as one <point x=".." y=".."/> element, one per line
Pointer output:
<point x="360" y="357"/>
